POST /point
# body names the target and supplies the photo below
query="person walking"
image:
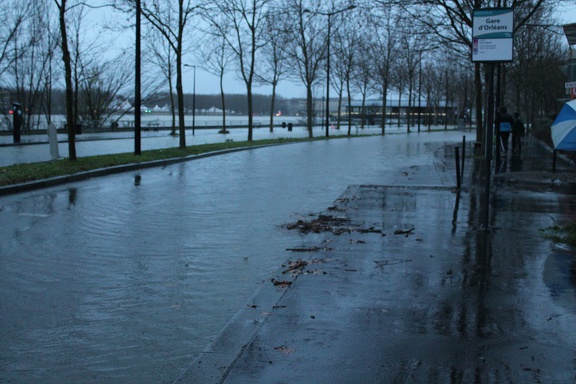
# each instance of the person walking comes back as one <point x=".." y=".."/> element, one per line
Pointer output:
<point x="506" y="122"/>
<point x="518" y="130"/>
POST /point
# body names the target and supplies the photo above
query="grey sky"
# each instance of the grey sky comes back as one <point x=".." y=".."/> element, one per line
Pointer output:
<point x="207" y="83"/>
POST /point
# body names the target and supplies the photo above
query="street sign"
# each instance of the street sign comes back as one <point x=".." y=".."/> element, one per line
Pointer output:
<point x="492" y="34"/>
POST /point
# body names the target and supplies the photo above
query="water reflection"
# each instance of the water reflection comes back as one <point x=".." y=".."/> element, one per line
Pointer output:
<point x="72" y="196"/>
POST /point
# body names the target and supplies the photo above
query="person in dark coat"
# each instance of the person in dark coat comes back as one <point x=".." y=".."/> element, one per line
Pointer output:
<point x="506" y="122"/>
<point x="518" y="130"/>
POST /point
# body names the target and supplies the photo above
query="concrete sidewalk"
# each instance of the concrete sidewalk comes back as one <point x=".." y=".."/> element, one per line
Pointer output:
<point x="402" y="284"/>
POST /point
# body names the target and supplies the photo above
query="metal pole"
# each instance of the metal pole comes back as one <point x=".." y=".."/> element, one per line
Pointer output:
<point x="457" y="159"/>
<point x="488" y="143"/>
<point x="463" y="155"/>
<point x="328" y="80"/>
<point x="194" y="103"/>
<point x="137" y="96"/>
<point x="498" y="106"/>
<point x="17" y="121"/>
<point x="419" y="91"/>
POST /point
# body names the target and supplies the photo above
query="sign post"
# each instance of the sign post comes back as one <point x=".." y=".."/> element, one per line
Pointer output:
<point x="492" y="42"/>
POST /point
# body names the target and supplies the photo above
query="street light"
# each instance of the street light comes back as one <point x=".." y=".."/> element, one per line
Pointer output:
<point x="137" y="86"/>
<point x="329" y="14"/>
<point x="193" y="99"/>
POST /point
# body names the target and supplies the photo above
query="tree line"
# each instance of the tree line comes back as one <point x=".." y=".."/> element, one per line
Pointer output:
<point x="414" y="50"/>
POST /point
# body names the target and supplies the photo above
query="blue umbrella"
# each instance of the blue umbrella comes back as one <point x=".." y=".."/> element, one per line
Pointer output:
<point x="564" y="128"/>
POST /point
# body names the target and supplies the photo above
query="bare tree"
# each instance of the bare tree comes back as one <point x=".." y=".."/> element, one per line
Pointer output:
<point x="66" y="59"/>
<point x="33" y="48"/>
<point x="171" y="19"/>
<point x="410" y="60"/>
<point x="346" y="42"/>
<point x="163" y="56"/>
<point x="99" y="89"/>
<point x="215" y="57"/>
<point x="450" y="21"/>
<point x="273" y="66"/>
<point x="362" y="77"/>
<point x="385" y="50"/>
<point x="306" y="50"/>
<point x="538" y="50"/>
<point x="246" y="21"/>
<point x="13" y="17"/>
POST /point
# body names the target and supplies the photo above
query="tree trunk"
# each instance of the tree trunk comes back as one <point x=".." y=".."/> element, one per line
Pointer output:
<point x="172" y="106"/>
<point x="339" y="107"/>
<point x="384" y="106"/>
<point x="250" y="111"/>
<point x="223" y="103"/>
<point x="272" y="102"/>
<point x="349" y="106"/>
<point x="309" y="110"/>
<point x="179" y="88"/>
<point x="69" y="91"/>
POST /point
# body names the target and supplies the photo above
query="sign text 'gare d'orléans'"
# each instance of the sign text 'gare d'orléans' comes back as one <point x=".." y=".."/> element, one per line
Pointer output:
<point x="492" y="34"/>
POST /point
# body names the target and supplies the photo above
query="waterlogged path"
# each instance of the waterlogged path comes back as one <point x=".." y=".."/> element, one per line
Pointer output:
<point x="126" y="278"/>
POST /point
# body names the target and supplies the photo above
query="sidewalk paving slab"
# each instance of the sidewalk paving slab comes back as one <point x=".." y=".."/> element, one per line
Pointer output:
<point x="402" y="284"/>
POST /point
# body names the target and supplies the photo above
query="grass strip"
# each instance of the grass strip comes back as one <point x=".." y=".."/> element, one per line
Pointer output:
<point x="562" y="234"/>
<point x="21" y="173"/>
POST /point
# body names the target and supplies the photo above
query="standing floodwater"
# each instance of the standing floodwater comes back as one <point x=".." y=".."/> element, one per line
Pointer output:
<point x="126" y="278"/>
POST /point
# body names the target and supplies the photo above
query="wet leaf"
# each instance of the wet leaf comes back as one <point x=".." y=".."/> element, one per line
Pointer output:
<point x="283" y="283"/>
<point x="383" y="263"/>
<point x="406" y="232"/>
<point x="284" y="349"/>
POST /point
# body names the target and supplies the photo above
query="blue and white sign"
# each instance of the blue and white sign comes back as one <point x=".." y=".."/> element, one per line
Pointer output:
<point x="492" y="34"/>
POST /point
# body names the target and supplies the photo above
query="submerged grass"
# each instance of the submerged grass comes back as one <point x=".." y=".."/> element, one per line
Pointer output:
<point x="562" y="234"/>
<point x="21" y="173"/>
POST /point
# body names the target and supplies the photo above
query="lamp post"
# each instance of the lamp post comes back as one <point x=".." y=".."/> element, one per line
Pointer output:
<point x="193" y="99"/>
<point x="419" y="90"/>
<point x="329" y="15"/>
<point x="137" y="86"/>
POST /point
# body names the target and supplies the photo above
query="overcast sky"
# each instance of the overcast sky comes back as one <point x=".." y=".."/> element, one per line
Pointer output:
<point x="209" y="84"/>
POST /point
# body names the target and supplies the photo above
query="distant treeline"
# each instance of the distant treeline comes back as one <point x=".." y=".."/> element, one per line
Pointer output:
<point x="237" y="103"/>
<point x="234" y="102"/>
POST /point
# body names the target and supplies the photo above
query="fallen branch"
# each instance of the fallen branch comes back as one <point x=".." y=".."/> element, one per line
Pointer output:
<point x="406" y="233"/>
<point x="383" y="263"/>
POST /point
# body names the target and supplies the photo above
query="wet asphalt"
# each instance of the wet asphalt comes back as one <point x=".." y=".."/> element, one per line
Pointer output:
<point x="404" y="283"/>
<point x="395" y="282"/>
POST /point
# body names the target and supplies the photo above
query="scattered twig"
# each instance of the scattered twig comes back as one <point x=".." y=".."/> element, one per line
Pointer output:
<point x="283" y="283"/>
<point x="308" y="249"/>
<point x="383" y="263"/>
<point x="406" y="232"/>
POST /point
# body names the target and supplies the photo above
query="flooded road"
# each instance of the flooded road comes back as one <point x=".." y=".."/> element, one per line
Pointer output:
<point x="126" y="278"/>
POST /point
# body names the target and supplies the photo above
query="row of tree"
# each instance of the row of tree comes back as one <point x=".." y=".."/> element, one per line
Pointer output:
<point x="414" y="50"/>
